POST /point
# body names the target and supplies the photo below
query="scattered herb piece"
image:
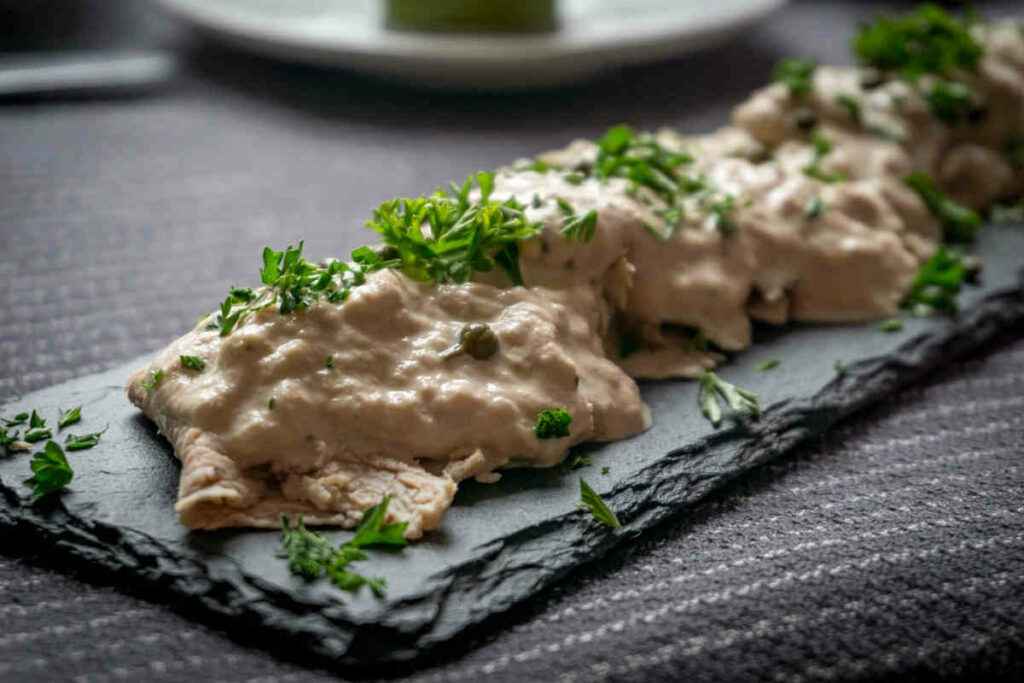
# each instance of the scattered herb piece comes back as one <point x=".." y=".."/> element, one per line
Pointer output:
<point x="75" y="442"/>
<point x="959" y="223"/>
<point x="891" y="325"/>
<point x="36" y="421"/>
<point x="51" y="471"/>
<point x="311" y="556"/>
<point x="35" y="434"/>
<point x="574" y="178"/>
<point x="770" y="364"/>
<point x="593" y="502"/>
<point x="852" y="107"/>
<point x="951" y="102"/>
<point x="722" y="214"/>
<point x="739" y="400"/>
<point x="937" y="284"/>
<point x="797" y="75"/>
<point x="575" y="227"/>
<point x="578" y="460"/>
<point x="840" y="368"/>
<point x="69" y="417"/>
<point x="821" y="146"/>
<point x="18" y="419"/>
<point x="193" y="363"/>
<point x="552" y="423"/>
<point x="814" y="208"/>
<point x="155" y="377"/>
<point x="270" y="403"/>
<point x="329" y="362"/>
<point x="605" y="470"/>
<point x="928" y="40"/>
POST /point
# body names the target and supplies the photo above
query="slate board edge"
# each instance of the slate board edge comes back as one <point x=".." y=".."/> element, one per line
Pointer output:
<point x="504" y="572"/>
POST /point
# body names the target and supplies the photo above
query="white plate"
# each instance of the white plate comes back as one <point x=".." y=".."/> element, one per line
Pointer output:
<point x="594" y="35"/>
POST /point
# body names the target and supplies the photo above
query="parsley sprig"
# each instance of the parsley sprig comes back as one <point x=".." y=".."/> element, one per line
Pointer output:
<point x="821" y="147"/>
<point x="937" y="283"/>
<point x="576" y="227"/>
<point x="312" y="556"/>
<point x="50" y="471"/>
<point x="447" y="236"/>
<point x="797" y="75"/>
<point x="959" y="223"/>
<point x="552" y="423"/>
<point x="713" y="389"/>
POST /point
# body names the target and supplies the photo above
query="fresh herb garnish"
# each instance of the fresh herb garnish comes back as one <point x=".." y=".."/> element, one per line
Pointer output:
<point x="814" y="208"/>
<point x="766" y="365"/>
<point x="951" y="102"/>
<point x="713" y="388"/>
<point x="593" y="502"/>
<point x="193" y="363"/>
<point x="821" y="147"/>
<point x="51" y="471"/>
<point x="18" y="419"/>
<point x="312" y="556"/>
<point x="840" y="368"/>
<point x="37" y="429"/>
<point x="852" y="107"/>
<point x="154" y="380"/>
<point x="36" y="421"/>
<point x="578" y="460"/>
<point x="797" y="75"/>
<point x="75" y="442"/>
<point x="270" y="403"/>
<point x="891" y="325"/>
<point x="927" y="41"/>
<point x="722" y="214"/>
<point x="959" y="223"/>
<point x="329" y="362"/>
<point x="447" y="237"/>
<point x="552" y="423"/>
<point x="69" y="417"/>
<point x="937" y="283"/>
<point x="605" y="470"/>
<point x="575" y="227"/>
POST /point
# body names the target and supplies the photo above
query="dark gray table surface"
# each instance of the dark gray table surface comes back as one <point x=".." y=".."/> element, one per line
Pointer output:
<point x="894" y="548"/>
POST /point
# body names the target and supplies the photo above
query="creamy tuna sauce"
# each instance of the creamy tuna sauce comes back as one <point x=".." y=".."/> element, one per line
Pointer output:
<point x="797" y="211"/>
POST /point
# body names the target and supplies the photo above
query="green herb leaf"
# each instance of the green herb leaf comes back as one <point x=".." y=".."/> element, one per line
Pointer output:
<point x="36" y="421"/>
<point x="822" y="146"/>
<point x="308" y="552"/>
<point x="193" y="363"/>
<point x="69" y="417"/>
<point x="575" y="227"/>
<point x="578" y="460"/>
<point x="937" y="283"/>
<point x="713" y="388"/>
<point x="840" y="368"/>
<point x="891" y="325"/>
<point x="797" y="75"/>
<point x="770" y="364"/>
<point x="959" y="223"/>
<point x="814" y="208"/>
<point x="552" y="423"/>
<point x="329" y="362"/>
<point x="155" y="378"/>
<point x="927" y="41"/>
<point x="852" y="107"/>
<point x="51" y="471"/>
<point x="605" y="470"/>
<point x="75" y="442"/>
<point x="951" y="102"/>
<point x="593" y="502"/>
<point x="38" y="434"/>
<point x="18" y="419"/>
<point x="722" y="212"/>
<point x="372" y="531"/>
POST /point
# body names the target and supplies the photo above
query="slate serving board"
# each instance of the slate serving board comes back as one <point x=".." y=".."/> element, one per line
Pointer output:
<point x="500" y="543"/>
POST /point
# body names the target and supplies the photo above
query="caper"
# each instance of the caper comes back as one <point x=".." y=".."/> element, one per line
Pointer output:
<point x="871" y="79"/>
<point x="478" y="340"/>
<point x="805" y="119"/>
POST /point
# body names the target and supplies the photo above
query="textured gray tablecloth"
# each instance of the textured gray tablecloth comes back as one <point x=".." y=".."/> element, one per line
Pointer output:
<point x="894" y="548"/>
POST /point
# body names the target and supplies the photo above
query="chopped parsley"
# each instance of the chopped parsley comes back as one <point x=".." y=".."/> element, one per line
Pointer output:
<point x="575" y="227"/>
<point x="270" y="403"/>
<point x="18" y="419"/>
<point x="69" y="417"/>
<point x="770" y="364"/>
<point x="821" y="147"/>
<point x="50" y="471"/>
<point x="840" y="368"/>
<point x="605" y="470"/>
<point x="329" y="362"/>
<point x="797" y="75"/>
<point x="959" y="223"/>
<point x="446" y="237"/>
<point x="75" y="442"/>
<point x="593" y="502"/>
<point x="852" y="107"/>
<point x="36" y="421"/>
<point x="552" y="423"/>
<point x="312" y="556"/>
<point x="927" y="41"/>
<point x="722" y="210"/>
<point x="37" y="429"/>
<point x="891" y="325"/>
<point x="154" y="380"/>
<point x="814" y="208"/>
<point x="951" y="102"/>
<point x="937" y="284"/>
<point x="193" y="363"/>
<point x="578" y="460"/>
<point x="713" y="389"/>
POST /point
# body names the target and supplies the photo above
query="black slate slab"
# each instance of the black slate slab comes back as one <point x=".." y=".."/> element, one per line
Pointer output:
<point x="500" y="543"/>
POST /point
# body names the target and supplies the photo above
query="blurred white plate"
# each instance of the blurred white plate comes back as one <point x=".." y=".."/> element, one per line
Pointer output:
<point x="594" y="35"/>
